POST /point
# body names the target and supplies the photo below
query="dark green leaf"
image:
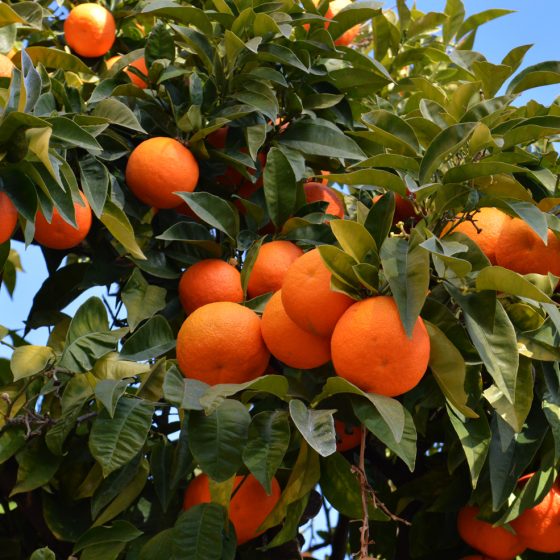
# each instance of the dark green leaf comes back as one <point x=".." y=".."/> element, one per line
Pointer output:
<point x="151" y="340"/>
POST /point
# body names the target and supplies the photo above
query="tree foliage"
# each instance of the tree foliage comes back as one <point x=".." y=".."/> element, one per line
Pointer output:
<point x="100" y="433"/>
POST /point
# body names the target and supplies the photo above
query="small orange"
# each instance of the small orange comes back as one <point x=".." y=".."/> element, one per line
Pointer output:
<point x="8" y="217"/>
<point x="222" y="342"/>
<point x="496" y="542"/>
<point x="159" y="167"/>
<point x="539" y="526"/>
<point x="139" y="64"/>
<point x="289" y="343"/>
<point x="217" y="139"/>
<point x="317" y="192"/>
<point x="90" y="30"/>
<point x="347" y="437"/>
<point x="490" y="222"/>
<point x="6" y="66"/>
<point x="208" y="281"/>
<point x="270" y="268"/>
<point x="370" y="348"/>
<point x="250" y="505"/>
<point x="307" y="296"/>
<point x="59" y="234"/>
<point x="520" y="249"/>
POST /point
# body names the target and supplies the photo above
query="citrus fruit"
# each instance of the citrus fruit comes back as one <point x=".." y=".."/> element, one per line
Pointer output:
<point x="6" y="66"/>
<point x="370" y="348"/>
<point x="539" y="526"/>
<point x="490" y="223"/>
<point x="270" y="268"/>
<point x="289" y="343"/>
<point x="520" y="249"/>
<point x="221" y="342"/>
<point x="139" y="64"/>
<point x="317" y="192"/>
<point x="477" y="557"/>
<point x="496" y="542"/>
<point x="90" y="30"/>
<point x="250" y="505"/>
<point x="8" y="217"/>
<point x="334" y="7"/>
<point x="347" y="437"/>
<point x="217" y="139"/>
<point x="59" y="234"/>
<point x="208" y="281"/>
<point x="159" y="167"/>
<point x="307" y="296"/>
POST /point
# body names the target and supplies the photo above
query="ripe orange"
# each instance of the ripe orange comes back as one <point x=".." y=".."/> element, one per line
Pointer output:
<point x="139" y="64"/>
<point x="90" y="30"/>
<point x="539" y="526"/>
<point x="289" y="343"/>
<point x="250" y="505"/>
<point x="490" y="222"/>
<point x="59" y="234"/>
<point x="334" y="7"/>
<point x="520" y="249"/>
<point x="159" y="167"/>
<point x="496" y="542"/>
<point x="270" y="268"/>
<point x="208" y="281"/>
<point x="6" y="66"/>
<point x="371" y="349"/>
<point x="347" y="437"/>
<point x="307" y="296"/>
<point x="315" y="192"/>
<point x="222" y="342"/>
<point x="217" y="139"/>
<point x="404" y="209"/>
<point x="8" y="217"/>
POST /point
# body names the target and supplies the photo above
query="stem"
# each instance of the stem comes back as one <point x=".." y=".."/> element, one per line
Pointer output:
<point x="340" y="538"/>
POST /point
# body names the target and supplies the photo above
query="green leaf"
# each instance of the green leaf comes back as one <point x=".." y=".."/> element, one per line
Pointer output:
<point x="29" y="360"/>
<point x="94" y="178"/>
<point x="120" y="531"/>
<point x="481" y="169"/>
<point x="379" y="219"/>
<point x="318" y="137"/>
<point x="269" y="437"/>
<point x="115" y="441"/>
<point x="72" y="135"/>
<point x="279" y="187"/>
<point x="183" y="393"/>
<point x="443" y="145"/>
<point x="537" y="75"/>
<point x="448" y="367"/>
<point x="188" y="15"/>
<point x="90" y="317"/>
<point x="444" y="251"/>
<point x="217" y="440"/>
<point x="353" y="14"/>
<point x="141" y="299"/>
<point x="404" y="447"/>
<point x="392" y="131"/>
<point x="11" y="441"/>
<point x="316" y="426"/>
<point x="289" y="529"/>
<point x="158" y="547"/>
<point x="151" y="340"/>
<point x="504" y="280"/>
<point x="199" y="534"/>
<point x="407" y="269"/>
<point x="109" y="391"/>
<point x="372" y="177"/>
<point x="159" y="44"/>
<point x="249" y="262"/>
<point x="82" y="354"/>
<point x="43" y="554"/>
<point x="214" y="210"/>
<point x="455" y="11"/>
<point x="55" y="59"/>
<point x="37" y="466"/>
<point x="473" y="22"/>
<point x="474" y="435"/>
<point x="118" y="224"/>
<point x="354" y="239"/>
<point x="340" y="265"/>
<point x="117" y="113"/>
<point x="492" y="76"/>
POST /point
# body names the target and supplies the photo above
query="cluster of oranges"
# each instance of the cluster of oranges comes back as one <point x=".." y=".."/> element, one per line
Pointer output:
<point x="537" y="528"/>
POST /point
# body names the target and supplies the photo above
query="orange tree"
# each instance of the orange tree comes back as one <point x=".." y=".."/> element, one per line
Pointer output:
<point x="121" y="439"/>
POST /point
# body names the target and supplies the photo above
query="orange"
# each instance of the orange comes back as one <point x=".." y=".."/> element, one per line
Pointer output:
<point x="139" y="64"/>
<point x="8" y="217"/>
<point x="159" y="167"/>
<point x="217" y="139"/>
<point x="477" y="557"/>
<point x="270" y="268"/>
<point x="307" y="296"/>
<point x="6" y="66"/>
<point x="334" y="7"/>
<point x="371" y="349"/>
<point x="90" y="30"/>
<point x="208" y="281"/>
<point x="520" y="249"/>
<point x="250" y="505"/>
<point x="222" y="342"/>
<point x="316" y="192"/>
<point x="347" y="437"/>
<point x="490" y="222"/>
<point x="289" y="343"/>
<point x="539" y="526"/>
<point x="496" y="542"/>
<point x="404" y="209"/>
<point x="59" y="234"/>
